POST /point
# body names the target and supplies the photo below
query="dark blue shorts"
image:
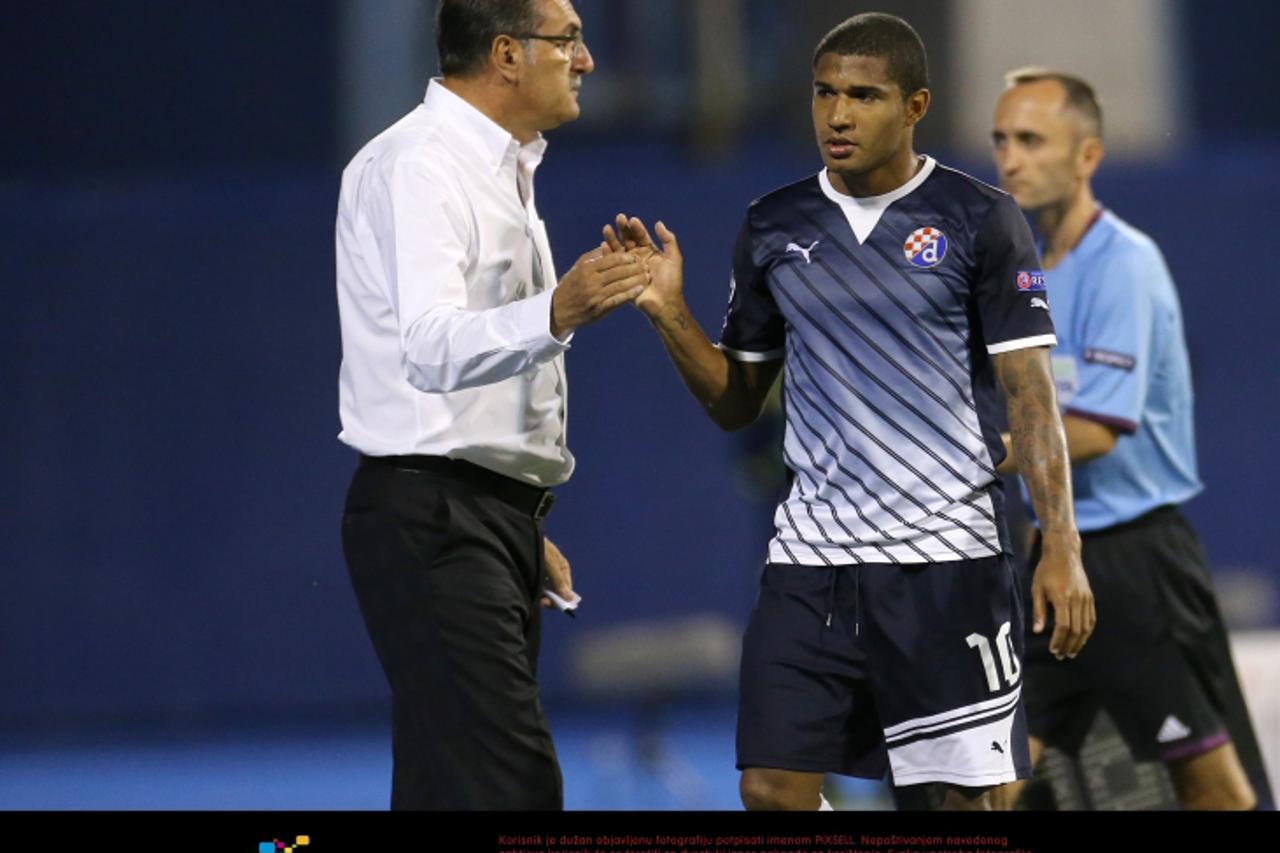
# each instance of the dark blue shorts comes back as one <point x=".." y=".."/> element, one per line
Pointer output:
<point x="865" y="668"/>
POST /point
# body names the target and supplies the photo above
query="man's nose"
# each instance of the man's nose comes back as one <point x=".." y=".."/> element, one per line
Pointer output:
<point x="1008" y="161"/>
<point x="582" y="61"/>
<point x="841" y="115"/>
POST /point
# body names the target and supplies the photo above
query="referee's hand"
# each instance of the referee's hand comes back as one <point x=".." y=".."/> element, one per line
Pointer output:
<point x="1060" y="581"/>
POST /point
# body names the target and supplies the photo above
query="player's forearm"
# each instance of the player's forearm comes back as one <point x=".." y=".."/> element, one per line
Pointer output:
<point x="1039" y="443"/>
<point x="707" y="372"/>
<point x="1086" y="440"/>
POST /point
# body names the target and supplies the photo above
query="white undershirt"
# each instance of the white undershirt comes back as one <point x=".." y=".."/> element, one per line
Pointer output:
<point x="864" y="212"/>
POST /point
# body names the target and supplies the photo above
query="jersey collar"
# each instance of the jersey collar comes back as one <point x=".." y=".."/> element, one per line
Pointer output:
<point x="863" y="213"/>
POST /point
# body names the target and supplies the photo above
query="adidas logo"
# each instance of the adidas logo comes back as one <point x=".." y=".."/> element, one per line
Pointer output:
<point x="1171" y="729"/>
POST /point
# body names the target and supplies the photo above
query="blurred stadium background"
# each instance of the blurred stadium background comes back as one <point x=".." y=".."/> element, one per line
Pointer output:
<point x="176" y="625"/>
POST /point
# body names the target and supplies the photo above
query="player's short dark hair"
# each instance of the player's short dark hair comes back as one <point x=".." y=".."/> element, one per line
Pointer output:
<point x="887" y="36"/>
<point x="465" y="30"/>
<point x="1080" y="95"/>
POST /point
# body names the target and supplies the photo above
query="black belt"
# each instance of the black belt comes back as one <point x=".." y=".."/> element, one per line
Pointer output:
<point x="529" y="499"/>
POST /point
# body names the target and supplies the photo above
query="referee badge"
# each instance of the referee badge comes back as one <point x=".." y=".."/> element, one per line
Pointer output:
<point x="926" y="247"/>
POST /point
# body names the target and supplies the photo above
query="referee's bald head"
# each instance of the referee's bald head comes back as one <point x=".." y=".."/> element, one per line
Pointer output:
<point x="1080" y="96"/>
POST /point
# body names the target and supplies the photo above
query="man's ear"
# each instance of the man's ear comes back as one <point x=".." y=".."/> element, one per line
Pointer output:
<point x="917" y="105"/>
<point x="506" y="55"/>
<point x="1089" y="156"/>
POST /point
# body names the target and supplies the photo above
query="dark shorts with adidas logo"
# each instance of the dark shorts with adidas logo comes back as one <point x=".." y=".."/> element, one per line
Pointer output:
<point x="1158" y="662"/>
<point x="862" y="668"/>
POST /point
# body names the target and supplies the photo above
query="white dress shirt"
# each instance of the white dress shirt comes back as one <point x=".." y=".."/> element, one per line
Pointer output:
<point x="445" y="281"/>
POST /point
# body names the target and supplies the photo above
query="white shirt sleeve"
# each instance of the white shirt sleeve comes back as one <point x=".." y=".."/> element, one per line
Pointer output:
<point x="447" y="347"/>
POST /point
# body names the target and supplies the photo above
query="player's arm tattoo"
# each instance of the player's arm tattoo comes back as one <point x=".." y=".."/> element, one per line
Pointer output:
<point x="675" y="314"/>
<point x="731" y="393"/>
<point x="1039" y="443"/>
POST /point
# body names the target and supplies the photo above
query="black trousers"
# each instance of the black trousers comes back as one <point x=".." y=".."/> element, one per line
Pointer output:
<point x="448" y="568"/>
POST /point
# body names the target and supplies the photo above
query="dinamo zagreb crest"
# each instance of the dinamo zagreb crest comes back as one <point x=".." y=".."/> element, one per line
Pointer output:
<point x="926" y="247"/>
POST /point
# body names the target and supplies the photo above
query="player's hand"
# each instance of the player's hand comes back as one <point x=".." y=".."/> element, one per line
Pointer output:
<point x="559" y="577"/>
<point x="598" y="283"/>
<point x="628" y="234"/>
<point x="665" y="264"/>
<point x="1060" y="581"/>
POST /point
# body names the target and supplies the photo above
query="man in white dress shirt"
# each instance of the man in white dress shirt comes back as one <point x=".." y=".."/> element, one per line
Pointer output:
<point x="452" y="389"/>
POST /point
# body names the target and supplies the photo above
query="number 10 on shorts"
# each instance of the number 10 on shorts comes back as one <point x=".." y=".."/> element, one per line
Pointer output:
<point x="1008" y="657"/>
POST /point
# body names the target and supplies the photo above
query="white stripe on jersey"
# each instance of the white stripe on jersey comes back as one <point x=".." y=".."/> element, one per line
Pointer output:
<point x="808" y="532"/>
<point x="871" y="475"/>
<point x="743" y="355"/>
<point x="1023" y="343"/>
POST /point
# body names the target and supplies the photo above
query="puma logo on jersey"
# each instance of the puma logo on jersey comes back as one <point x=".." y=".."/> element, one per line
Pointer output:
<point x="1172" y="729"/>
<point x="796" y="247"/>
<point x="1037" y="302"/>
<point x="995" y="747"/>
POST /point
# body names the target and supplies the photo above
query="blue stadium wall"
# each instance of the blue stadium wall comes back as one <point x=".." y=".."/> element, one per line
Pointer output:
<point x="169" y="349"/>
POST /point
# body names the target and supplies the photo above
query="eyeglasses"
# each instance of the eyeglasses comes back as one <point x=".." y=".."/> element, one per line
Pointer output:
<point x="572" y="45"/>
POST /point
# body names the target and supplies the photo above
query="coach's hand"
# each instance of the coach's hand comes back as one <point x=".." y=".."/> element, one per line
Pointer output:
<point x="558" y="576"/>
<point x="598" y="283"/>
<point x="1060" y="580"/>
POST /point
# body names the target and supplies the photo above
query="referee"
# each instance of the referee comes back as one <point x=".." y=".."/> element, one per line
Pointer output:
<point x="1160" y="661"/>
<point x="452" y="389"/>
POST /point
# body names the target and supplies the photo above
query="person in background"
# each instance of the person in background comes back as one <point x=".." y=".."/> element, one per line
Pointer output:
<point x="1159" y="662"/>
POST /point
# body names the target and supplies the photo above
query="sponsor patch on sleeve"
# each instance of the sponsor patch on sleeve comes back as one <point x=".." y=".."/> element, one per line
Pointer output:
<point x="1093" y="355"/>
<point x="1030" y="281"/>
<point x="1065" y="378"/>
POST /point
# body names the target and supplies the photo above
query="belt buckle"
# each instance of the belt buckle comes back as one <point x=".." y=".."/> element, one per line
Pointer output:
<point x="544" y="505"/>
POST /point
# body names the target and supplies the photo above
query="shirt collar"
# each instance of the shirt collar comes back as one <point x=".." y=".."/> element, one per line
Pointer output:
<point x="879" y="202"/>
<point x="1087" y="236"/>
<point x="494" y="144"/>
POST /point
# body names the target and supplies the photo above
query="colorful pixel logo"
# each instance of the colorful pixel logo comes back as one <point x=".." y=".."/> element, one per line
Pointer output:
<point x="275" y="845"/>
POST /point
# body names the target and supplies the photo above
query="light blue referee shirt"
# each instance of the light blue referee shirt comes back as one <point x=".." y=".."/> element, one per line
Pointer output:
<point x="1122" y="360"/>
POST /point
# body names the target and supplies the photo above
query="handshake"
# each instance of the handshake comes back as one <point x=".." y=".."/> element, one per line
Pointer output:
<point x="627" y="266"/>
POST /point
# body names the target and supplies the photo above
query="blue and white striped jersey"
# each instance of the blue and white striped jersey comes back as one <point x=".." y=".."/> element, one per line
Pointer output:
<point x="886" y="311"/>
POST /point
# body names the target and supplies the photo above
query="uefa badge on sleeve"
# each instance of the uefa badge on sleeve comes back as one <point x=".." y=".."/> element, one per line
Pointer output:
<point x="1030" y="281"/>
<point x="925" y="248"/>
